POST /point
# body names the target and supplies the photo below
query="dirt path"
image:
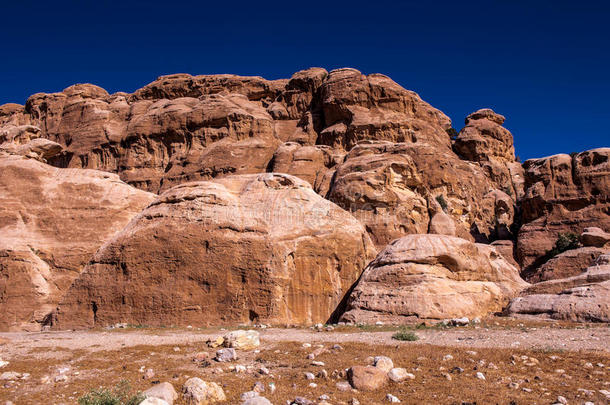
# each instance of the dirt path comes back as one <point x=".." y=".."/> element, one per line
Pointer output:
<point x="524" y="338"/>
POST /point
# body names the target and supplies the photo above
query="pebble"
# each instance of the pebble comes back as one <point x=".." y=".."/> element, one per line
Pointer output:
<point x="313" y="385"/>
<point x="61" y="378"/>
<point x="309" y="376"/>
<point x="3" y="363"/>
<point x="448" y="357"/>
<point x="317" y="363"/>
<point x="354" y="401"/>
<point x="343" y="386"/>
<point x="263" y="370"/>
<point x="248" y="395"/>
<point x="225" y="355"/>
<point x="562" y="400"/>
<point x="272" y="387"/>
<point x="301" y="401"/>
<point x="480" y="376"/>
<point x="392" y="398"/>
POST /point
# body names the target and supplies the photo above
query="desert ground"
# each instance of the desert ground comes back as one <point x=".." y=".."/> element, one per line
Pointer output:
<point x="523" y="362"/>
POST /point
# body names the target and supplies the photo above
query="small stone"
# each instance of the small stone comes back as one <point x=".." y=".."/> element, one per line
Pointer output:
<point x="3" y="363"/>
<point x="258" y="387"/>
<point x="148" y="374"/>
<point x="480" y="376"/>
<point x="242" y="339"/>
<point x="272" y="387"/>
<point x="354" y="401"/>
<point x="240" y="368"/>
<point x="367" y="378"/>
<point x="176" y="349"/>
<point x="257" y="401"/>
<point x="460" y="321"/>
<point x="323" y="374"/>
<point x="313" y="385"/>
<point x="248" y="395"/>
<point x="263" y="370"/>
<point x="61" y="378"/>
<point x="562" y="400"/>
<point x="392" y="398"/>
<point x="513" y="385"/>
<point x="164" y="391"/>
<point x="448" y="357"/>
<point x="317" y="363"/>
<point x="213" y="343"/>
<point x="526" y="389"/>
<point x="399" y="374"/>
<point x="383" y="363"/>
<point x="225" y="355"/>
<point x="343" y="386"/>
<point x="9" y="375"/>
<point x="301" y="401"/>
<point x="447" y="376"/>
<point x="309" y="376"/>
<point x="198" y="392"/>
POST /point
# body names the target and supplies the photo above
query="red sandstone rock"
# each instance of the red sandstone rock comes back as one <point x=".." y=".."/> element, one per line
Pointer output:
<point x="242" y="248"/>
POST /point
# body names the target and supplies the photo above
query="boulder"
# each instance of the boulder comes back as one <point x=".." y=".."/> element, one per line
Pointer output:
<point x="195" y="391"/>
<point x="383" y="363"/>
<point x="432" y="277"/>
<point x="274" y="252"/>
<point x="367" y="378"/>
<point x="51" y="222"/>
<point x="154" y="401"/>
<point x="164" y="391"/>
<point x="570" y="263"/>
<point x="564" y="194"/>
<point x="242" y="339"/>
<point x="583" y="298"/>
<point x="595" y="237"/>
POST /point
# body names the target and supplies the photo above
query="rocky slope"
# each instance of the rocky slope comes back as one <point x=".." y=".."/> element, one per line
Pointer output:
<point x="235" y="246"/>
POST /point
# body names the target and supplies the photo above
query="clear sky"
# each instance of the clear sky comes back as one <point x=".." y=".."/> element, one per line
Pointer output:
<point x="545" y="65"/>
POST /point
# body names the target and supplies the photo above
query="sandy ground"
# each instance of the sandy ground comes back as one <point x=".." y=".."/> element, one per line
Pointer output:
<point x="597" y="338"/>
<point x="572" y="361"/>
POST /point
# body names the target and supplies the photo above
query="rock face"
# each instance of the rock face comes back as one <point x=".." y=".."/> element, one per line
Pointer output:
<point x="184" y="128"/>
<point x="432" y="277"/>
<point x="51" y="222"/>
<point x="243" y="248"/>
<point x="584" y="298"/>
<point x="563" y="194"/>
<point x="567" y="264"/>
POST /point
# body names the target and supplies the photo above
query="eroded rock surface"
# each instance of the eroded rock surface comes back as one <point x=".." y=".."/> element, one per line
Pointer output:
<point x="51" y="222"/>
<point x="433" y="277"/>
<point x="238" y="249"/>
<point x="563" y="194"/>
<point x="584" y="298"/>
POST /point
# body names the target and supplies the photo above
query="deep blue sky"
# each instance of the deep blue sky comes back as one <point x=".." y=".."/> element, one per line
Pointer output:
<point x="545" y="65"/>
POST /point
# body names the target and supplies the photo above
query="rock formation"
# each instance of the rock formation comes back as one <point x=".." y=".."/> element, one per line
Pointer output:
<point x="243" y="248"/>
<point x="51" y="222"/>
<point x="563" y="194"/>
<point x="232" y="240"/>
<point x="432" y="277"/>
<point x="585" y="297"/>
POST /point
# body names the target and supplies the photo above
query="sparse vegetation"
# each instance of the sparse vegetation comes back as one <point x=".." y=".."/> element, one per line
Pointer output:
<point x="405" y="335"/>
<point x="565" y="241"/>
<point x="121" y="394"/>
<point x="442" y="202"/>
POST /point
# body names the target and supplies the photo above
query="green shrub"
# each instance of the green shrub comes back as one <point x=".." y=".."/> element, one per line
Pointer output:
<point x="121" y="394"/>
<point x="565" y="241"/>
<point x="405" y="335"/>
<point x="442" y="202"/>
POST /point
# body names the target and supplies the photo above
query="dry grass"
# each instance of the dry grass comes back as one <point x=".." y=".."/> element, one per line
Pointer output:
<point x="287" y="362"/>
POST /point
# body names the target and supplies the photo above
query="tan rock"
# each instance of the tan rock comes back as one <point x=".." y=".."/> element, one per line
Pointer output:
<point x="51" y="222"/>
<point x="164" y="391"/>
<point x="432" y="277"/>
<point x="195" y="391"/>
<point x="567" y="264"/>
<point x="274" y="252"/>
<point x="584" y="298"/>
<point x="594" y="236"/>
<point x="367" y="378"/>
<point x="242" y="339"/>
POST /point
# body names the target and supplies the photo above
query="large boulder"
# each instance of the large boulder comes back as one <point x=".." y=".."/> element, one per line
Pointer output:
<point x="564" y="194"/>
<point x="51" y="222"/>
<point x="584" y="298"/>
<point x="433" y="277"/>
<point x="238" y="249"/>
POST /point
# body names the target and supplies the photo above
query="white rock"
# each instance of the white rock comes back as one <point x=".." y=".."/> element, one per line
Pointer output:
<point x="392" y="398"/>
<point x="562" y="400"/>
<point x="164" y="391"/>
<point x="448" y="357"/>
<point x="242" y="339"/>
<point x="480" y="376"/>
<point x="399" y="374"/>
<point x="383" y="363"/>
<point x="309" y="376"/>
<point x="154" y="401"/>
<point x="3" y="363"/>
<point x="257" y="401"/>
<point x="198" y="392"/>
